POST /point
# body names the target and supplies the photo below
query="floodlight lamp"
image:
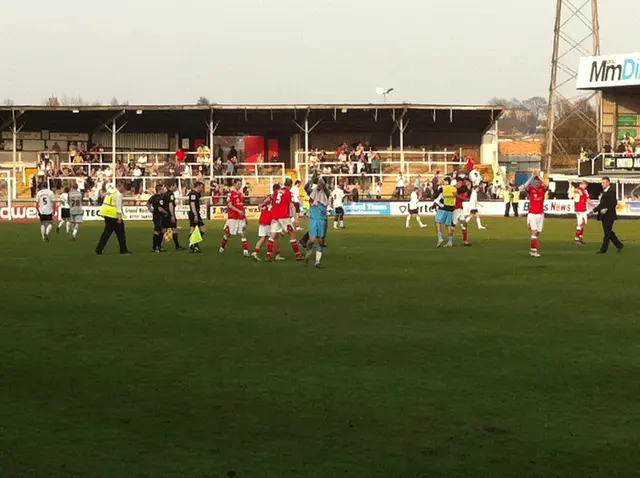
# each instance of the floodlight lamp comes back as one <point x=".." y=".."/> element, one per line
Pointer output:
<point x="75" y="112"/>
<point x="138" y="112"/>
<point x="380" y="91"/>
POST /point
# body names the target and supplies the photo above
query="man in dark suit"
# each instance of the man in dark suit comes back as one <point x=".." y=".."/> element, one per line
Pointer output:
<point x="606" y="211"/>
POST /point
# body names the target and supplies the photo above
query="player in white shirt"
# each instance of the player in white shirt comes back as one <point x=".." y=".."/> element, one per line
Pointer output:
<point x="295" y="199"/>
<point x="65" y="214"/>
<point x="44" y="205"/>
<point x="75" y="208"/>
<point x="473" y="209"/>
<point x="337" y="202"/>
<point x="413" y="207"/>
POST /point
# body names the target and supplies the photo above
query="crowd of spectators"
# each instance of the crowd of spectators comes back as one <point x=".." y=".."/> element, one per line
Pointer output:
<point x="92" y="168"/>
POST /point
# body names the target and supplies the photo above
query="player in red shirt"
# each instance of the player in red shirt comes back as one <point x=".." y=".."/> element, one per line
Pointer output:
<point x="264" y="227"/>
<point x="281" y="222"/>
<point x="237" y="220"/>
<point x="536" y="190"/>
<point x="581" y="202"/>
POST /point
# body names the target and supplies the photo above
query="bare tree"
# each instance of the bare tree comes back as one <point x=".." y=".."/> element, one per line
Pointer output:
<point x="114" y="101"/>
<point x="8" y="102"/>
<point x="73" y="101"/>
<point x="203" y="100"/>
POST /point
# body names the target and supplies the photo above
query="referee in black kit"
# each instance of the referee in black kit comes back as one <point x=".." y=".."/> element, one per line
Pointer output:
<point x="606" y="211"/>
<point x="111" y="211"/>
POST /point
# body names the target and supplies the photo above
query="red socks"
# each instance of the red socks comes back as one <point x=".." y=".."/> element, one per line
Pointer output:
<point x="270" y="249"/>
<point x="295" y="247"/>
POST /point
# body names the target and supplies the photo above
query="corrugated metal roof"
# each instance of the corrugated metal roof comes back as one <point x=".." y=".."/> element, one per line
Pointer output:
<point x="240" y="107"/>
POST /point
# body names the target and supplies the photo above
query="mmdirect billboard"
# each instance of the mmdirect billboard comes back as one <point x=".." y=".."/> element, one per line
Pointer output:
<point x="608" y="71"/>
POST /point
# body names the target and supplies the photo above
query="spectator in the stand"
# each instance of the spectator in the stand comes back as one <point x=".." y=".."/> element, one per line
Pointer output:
<point x="629" y="139"/>
<point x="355" y="193"/>
<point x="137" y="183"/>
<point x="435" y="182"/>
<point x="399" y="192"/>
<point x="607" y="148"/>
<point x="232" y="155"/>
<point x="181" y="155"/>
<point x="229" y="171"/>
<point x="142" y="162"/>
<point x="470" y="163"/>
<point x="621" y="148"/>
<point x="216" y="194"/>
<point x="378" y="191"/>
<point x="219" y="154"/>
<point x="80" y="181"/>
<point x="427" y="191"/>
<point x="375" y="162"/>
<point x="417" y="183"/>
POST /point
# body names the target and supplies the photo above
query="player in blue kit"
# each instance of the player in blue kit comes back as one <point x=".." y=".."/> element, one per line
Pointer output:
<point x="318" y="201"/>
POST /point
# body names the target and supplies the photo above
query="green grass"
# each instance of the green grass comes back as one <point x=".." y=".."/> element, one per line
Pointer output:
<point x="398" y="360"/>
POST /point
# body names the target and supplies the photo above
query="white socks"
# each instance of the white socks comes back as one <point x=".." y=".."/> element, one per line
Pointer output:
<point x="478" y="222"/>
<point x="68" y="226"/>
<point x="406" y="223"/>
<point x="318" y="254"/>
<point x="43" y="230"/>
<point x="76" y="228"/>
<point x="48" y="229"/>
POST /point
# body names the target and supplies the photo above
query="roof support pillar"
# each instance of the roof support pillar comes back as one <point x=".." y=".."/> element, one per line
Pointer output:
<point x="14" y="148"/>
<point x="212" y="128"/>
<point x="306" y="130"/>
<point x="402" y="126"/>
<point x="114" y="139"/>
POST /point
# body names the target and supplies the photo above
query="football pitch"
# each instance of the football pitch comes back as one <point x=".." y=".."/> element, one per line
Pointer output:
<point x="397" y="360"/>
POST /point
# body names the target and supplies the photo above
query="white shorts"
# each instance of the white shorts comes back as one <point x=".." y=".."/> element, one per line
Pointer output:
<point x="264" y="230"/>
<point x="77" y="218"/>
<point x="281" y="226"/>
<point x="458" y="216"/>
<point x="233" y="227"/>
<point x="535" y="222"/>
<point x="581" y="218"/>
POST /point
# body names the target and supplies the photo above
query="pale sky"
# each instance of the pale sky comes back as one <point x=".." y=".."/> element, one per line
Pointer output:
<point x="288" y="51"/>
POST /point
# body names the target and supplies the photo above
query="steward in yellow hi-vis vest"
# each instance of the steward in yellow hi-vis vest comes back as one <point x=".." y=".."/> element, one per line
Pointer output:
<point x="108" y="208"/>
<point x="511" y="200"/>
<point x="111" y="211"/>
<point x="446" y="204"/>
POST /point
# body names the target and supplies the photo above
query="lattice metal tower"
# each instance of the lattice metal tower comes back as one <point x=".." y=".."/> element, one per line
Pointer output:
<point x="576" y="34"/>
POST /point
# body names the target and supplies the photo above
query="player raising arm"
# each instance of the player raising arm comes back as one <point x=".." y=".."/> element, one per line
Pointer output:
<point x="581" y="202"/>
<point x="318" y="202"/>
<point x="536" y="190"/>
<point x="236" y="218"/>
